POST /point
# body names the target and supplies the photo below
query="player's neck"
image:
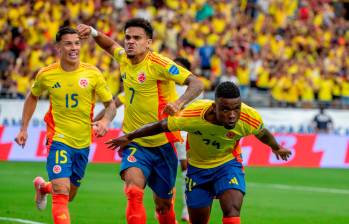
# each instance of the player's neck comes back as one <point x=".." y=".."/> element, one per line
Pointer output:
<point x="68" y="67"/>
<point x="138" y="58"/>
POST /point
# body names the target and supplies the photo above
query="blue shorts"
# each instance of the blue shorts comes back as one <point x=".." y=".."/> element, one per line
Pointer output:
<point x="202" y="185"/>
<point x="65" y="161"/>
<point x="159" y="166"/>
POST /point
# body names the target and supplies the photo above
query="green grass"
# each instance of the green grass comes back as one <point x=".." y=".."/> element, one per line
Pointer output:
<point x="101" y="199"/>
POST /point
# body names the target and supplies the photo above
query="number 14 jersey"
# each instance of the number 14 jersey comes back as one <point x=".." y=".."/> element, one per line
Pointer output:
<point x="210" y="145"/>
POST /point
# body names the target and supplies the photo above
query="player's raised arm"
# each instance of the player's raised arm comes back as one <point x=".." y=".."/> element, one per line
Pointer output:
<point x="28" y="110"/>
<point x="267" y="138"/>
<point x="147" y="130"/>
<point x="195" y="87"/>
<point x="101" y="39"/>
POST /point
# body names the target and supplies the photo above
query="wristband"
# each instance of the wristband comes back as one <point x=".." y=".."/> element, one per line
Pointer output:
<point x="94" y="32"/>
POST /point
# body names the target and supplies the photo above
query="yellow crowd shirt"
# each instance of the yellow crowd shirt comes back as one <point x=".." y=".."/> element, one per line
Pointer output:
<point x="148" y="87"/>
<point x="211" y="145"/>
<point x="72" y="100"/>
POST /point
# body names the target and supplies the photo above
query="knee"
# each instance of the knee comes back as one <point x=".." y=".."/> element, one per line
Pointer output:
<point x="71" y="196"/>
<point x="134" y="193"/>
<point x="60" y="188"/>
<point x="163" y="206"/>
<point x="232" y="211"/>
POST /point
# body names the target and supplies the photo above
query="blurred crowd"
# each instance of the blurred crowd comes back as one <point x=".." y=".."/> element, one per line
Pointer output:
<point x="295" y="53"/>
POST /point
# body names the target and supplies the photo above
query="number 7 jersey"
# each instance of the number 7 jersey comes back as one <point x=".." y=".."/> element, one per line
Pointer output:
<point x="72" y="100"/>
<point x="148" y="87"/>
<point x="210" y="145"/>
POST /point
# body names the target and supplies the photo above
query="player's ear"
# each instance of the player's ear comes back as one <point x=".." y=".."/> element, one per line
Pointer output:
<point x="58" y="47"/>
<point x="149" y="42"/>
<point x="214" y="107"/>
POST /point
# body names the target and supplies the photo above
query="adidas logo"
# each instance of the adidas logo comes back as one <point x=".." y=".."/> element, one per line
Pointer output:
<point x="57" y="85"/>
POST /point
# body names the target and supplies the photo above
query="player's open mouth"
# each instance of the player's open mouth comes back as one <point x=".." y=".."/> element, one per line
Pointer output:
<point x="73" y="55"/>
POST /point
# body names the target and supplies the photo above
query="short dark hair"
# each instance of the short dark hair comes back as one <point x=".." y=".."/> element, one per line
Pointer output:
<point x="65" y="30"/>
<point x="227" y="90"/>
<point x="184" y="62"/>
<point x="142" y="23"/>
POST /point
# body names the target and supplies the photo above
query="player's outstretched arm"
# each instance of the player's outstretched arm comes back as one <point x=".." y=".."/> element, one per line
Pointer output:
<point x="101" y="39"/>
<point x="195" y="87"/>
<point x="147" y="130"/>
<point x="267" y="138"/>
<point x="101" y="126"/>
<point x="28" y="110"/>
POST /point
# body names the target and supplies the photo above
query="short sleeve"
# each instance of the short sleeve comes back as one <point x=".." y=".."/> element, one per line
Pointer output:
<point x="121" y="97"/>
<point x="119" y="53"/>
<point x="257" y="120"/>
<point x="169" y="70"/>
<point x="180" y="123"/>
<point x="37" y="87"/>
<point x="102" y="89"/>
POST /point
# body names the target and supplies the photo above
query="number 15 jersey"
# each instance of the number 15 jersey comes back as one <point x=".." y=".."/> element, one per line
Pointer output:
<point x="72" y="99"/>
<point x="148" y="87"/>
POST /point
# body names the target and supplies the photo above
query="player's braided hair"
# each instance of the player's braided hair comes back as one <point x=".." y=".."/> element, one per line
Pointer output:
<point x="227" y="90"/>
<point x="142" y="23"/>
<point x="64" y="30"/>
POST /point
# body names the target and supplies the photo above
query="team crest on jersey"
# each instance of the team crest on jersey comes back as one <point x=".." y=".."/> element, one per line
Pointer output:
<point x="230" y="134"/>
<point x="131" y="159"/>
<point x="83" y="82"/>
<point x="57" y="169"/>
<point x="141" y="77"/>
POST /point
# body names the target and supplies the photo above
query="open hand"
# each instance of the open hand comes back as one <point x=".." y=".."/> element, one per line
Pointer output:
<point x="282" y="153"/>
<point x="118" y="143"/>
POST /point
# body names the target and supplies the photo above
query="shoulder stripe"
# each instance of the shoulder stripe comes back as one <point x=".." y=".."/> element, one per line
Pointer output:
<point x="158" y="58"/>
<point x="250" y="119"/>
<point x="248" y="122"/>
<point x="158" y="62"/>
<point x="247" y="115"/>
<point x="198" y="110"/>
<point x="190" y="115"/>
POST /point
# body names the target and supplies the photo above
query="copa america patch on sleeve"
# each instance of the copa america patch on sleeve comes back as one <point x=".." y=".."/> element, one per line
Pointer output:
<point x="173" y="70"/>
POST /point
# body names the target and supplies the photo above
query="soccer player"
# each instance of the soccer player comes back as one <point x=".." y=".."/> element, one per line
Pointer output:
<point x="72" y="87"/>
<point x="215" y="164"/>
<point x="149" y="87"/>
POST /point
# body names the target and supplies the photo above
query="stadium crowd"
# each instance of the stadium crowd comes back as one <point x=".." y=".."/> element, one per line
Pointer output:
<point x="296" y="52"/>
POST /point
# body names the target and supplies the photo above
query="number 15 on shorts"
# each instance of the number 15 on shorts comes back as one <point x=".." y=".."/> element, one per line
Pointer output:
<point x="61" y="157"/>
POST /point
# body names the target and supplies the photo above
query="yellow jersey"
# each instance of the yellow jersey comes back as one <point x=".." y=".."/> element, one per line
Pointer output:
<point x="211" y="145"/>
<point x="72" y="100"/>
<point x="148" y="87"/>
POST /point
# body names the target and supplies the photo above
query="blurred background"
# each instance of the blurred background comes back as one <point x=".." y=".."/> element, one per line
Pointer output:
<point x="290" y="59"/>
<point x="291" y="53"/>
